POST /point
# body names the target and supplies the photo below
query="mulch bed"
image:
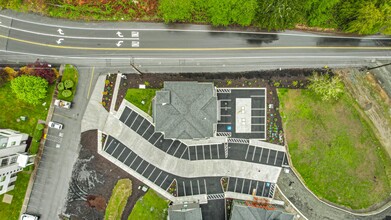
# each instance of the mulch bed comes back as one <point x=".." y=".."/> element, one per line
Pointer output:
<point x="93" y="179"/>
<point x="108" y="91"/>
<point x="270" y="79"/>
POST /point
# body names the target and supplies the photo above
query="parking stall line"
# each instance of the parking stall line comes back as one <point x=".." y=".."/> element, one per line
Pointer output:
<point x="135" y="119"/>
<point x="275" y="158"/>
<point x="184" y="189"/>
<point x="133" y="160"/>
<point x="140" y="165"/>
<point x="163" y="181"/>
<point x="158" y="176"/>
<point x="218" y="153"/>
<point x="256" y="188"/>
<point x="267" y="161"/>
<point x="146" y="129"/>
<point x="249" y="187"/>
<point x="263" y="189"/>
<point x="206" y="191"/>
<point x="184" y="152"/>
<point x="248" y="146"/>
<point x="127" y="156"/>
<point x="114" y="149"/>
<point x="241" y="191"/>
<point x="177" y="148"/>
<point x="151" y="135"/>
<point x="236" y="183"/>
<point x="170" y="146"/>
<point x="210" y="152"/>
<point x="191" y="188"/>
<point x="252" y="159"/>
<point x="121" y="153"/>
<point x="145" y="169"/>
<point x="188" y="151"/>
<point x="198" y="183"/>
<point x="228" y="183"/>
<point x="127" y="117"/>
<point x="196" y="154"/>
<point x="151" y="172"/>
<point x="203" y="151"/>
<point x="112" y="139"/>
<point x="158" y="139"/>
<point x="260" y="155"/>
<point x="283" y="160"/>
<point x="140" y="125"/>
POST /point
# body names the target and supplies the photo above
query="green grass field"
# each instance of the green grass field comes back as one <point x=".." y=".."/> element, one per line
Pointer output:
<point x="135" y="96"/>
<point x="12" y="211"/>
<point x="150" y="206"/>
<point x="334" y="149"/>
<point x="12" y="108"/>
<point x="70" y="72"/>
<point x="118" y="199"/>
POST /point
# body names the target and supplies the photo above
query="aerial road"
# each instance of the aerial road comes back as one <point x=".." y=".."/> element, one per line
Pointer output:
<point x="159" y="45"/>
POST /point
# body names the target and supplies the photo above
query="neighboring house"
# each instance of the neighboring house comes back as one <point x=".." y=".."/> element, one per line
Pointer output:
<point x="190" y="211"/>
<point x="12" y="157"/>
<point x="186" y="110"/>
<point x="241" y="211"/>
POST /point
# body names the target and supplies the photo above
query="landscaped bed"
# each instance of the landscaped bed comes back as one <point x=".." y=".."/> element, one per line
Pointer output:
<point x="70" y="76"/>
<point x="334" y="149"/>
<point x="118" y="199"/>
<point x="150" y="206"/>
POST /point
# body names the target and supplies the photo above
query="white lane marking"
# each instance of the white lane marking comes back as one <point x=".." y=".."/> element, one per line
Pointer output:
<point x="140" y="125"/>
<point x="119" y="34"/>
<point x="249" y="187"/>
<point x="110" y="143"/>
<point x="133" y="160"/>
<point x="127" y="157"/>
<point x="114" y="149"/>
<point x="260" y="155"/>
<point x="177" y="149"/>
<point x="121" y="153"/>
<point x="196" y="153"/>
<point x="203" y="151"/>
<point x="135" y="119"/>
<point x="135" y="44"/>
<point x="60" y="31"/>
<point x="59" y="41"/>
<point x="186" y="30"/>
<point x="252" y="159"/>
<point x="135" y="34"/>
<point x="64" y="36"/>
<point x="119" y="43"/>
<point x="158" y="139"/>
<point x="146" y="129"/>
<point x="210" y="151"/>
<point x="236" y="183"/>
<point x="267" y="161"/>
<point x="191" y="188"/>
<point x="170" y="146"/>
<point x="139" y="165"/>
<point x="275" y="159"/>
<point x="198" y="183"/>
<point x="208" y="58"/>
<point x="241" y="191"/>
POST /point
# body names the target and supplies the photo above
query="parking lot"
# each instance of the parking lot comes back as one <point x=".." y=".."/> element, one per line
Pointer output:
<point x="234" y="116"/>
<point x="185" y="186"/>
<point x="246" y="186"/>
<point x="246" y="152"/>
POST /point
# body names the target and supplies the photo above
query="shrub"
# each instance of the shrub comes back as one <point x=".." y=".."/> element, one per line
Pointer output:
<point x="43" y="70"/>
<point x="66" y="93"/>
<point x="68" y="84"/>
<point x="30" y="89"/>
<point x="60" y="86"/>
<point x="295" y="83"/>
<point x="277" y="84"/>
<point x="40" y="126"/>
<point x="11" y="72"/>
<point x="325" y="86"/>
<point x="146" y="83"/>
<point x="229" y="82"/>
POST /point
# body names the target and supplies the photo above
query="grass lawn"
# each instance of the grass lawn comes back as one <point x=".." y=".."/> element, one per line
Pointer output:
<point x="12" y="211"/>
<point x="70" y="72"/>
<point x="135" y="96"/>
<point x="150" y="206"/>
<point x="12" y="108"/>
<point x="118" y="199"/>
<point x="334" y="149"/>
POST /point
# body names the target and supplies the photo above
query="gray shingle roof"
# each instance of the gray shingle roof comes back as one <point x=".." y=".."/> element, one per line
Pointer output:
<point x="243" y="212"/>
<point x="180" y="212"/>
<point x="186" y="110"/>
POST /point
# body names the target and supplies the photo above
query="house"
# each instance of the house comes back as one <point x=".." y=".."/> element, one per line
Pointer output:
<point x="12" y="157"/>
<point x="190" y="211"/>
<point x="186" y="110"/>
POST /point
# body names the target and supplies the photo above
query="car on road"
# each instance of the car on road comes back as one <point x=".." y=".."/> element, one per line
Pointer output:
<point x="55" y="125"/>
<point x="26" y="216"/>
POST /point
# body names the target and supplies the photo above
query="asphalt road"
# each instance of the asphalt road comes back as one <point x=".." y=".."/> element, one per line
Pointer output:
<point x="153" y="47"/>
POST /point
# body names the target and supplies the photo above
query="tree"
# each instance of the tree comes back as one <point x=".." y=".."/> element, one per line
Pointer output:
<point x="321" y="12"/>
<point x="369" y="20"/>
<point x="3" y="77"/>
<point x="278" y="14"/>
<point x="30" y="89"/>
<point x="43" y="70"/>
<point x="325" y="86"/>
<point x="176" y="10"/>
<point x="225" y="12"/>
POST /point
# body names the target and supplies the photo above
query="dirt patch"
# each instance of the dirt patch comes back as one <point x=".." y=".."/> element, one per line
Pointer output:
<point x="93" y="179"/>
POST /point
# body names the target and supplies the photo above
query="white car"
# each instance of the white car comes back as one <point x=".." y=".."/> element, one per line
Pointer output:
<point x="28" y="217"/>
<point x="55" y="125"/>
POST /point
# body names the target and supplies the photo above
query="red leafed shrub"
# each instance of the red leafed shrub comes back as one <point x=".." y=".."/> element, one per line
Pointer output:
<point x="43" y="70"/>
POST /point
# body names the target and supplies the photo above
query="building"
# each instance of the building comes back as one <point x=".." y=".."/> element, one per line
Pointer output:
<point x="241" y="211"/>
<point x="190" y="211"/>
<point x="12" y="157"/>
<point x="186" y="110"/>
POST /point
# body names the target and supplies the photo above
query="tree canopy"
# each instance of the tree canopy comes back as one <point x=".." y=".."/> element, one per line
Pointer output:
<point x="326" y="87"/>
<point x="30" y="89"/>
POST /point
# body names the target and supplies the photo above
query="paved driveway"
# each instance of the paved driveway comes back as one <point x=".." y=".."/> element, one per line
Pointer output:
<point x="48" y="197"/>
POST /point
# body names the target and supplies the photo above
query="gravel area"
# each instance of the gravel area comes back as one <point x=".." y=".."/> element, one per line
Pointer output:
<point x="93" y="179"/>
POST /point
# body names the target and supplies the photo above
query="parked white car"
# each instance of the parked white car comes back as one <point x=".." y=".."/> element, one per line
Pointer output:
<point x="26" y="216"/>
<point x="62" y="104"/>
<point x="55" y="125"/>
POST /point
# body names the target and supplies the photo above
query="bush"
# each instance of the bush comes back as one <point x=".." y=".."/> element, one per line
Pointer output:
<point x="30" y="89"/>
<point x="325" y="86"/>
<point x="68" y="84"/>
<point x="66" y="93"/>
<point x="38" y="135"/>
<point x="60" y="86"/>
